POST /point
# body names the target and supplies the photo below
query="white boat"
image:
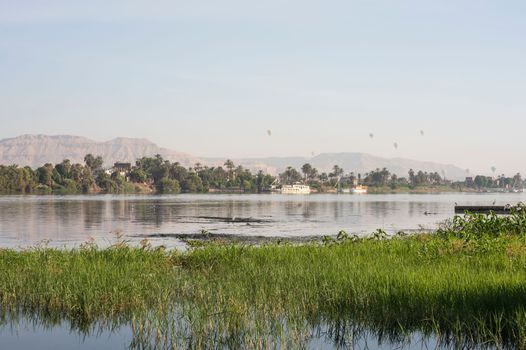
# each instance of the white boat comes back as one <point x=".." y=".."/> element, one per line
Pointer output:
<point x="359" y="189"/>
<point x="295" y="189"/>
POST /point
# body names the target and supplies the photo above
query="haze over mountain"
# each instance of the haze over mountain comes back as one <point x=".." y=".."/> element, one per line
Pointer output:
<point x="349" y="161"/>
<point x="35" y="150"/>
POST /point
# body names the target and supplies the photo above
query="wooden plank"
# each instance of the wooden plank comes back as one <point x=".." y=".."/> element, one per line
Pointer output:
<point x="500" y="209"/>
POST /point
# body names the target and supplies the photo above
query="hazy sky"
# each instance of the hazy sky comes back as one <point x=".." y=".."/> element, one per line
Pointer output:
<point x="211" y="77"/>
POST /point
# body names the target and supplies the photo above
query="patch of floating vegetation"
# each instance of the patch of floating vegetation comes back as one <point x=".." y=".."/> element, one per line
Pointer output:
<point x="464" y="285"/>
<point x="197" y="239"/>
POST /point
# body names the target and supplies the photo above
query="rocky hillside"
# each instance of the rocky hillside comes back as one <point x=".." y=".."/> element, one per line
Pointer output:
<point x="35" y="150"/>
<point x="357" y="162"/>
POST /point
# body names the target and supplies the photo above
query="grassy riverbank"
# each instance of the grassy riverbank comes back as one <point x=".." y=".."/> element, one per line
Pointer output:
<point x="465" y="284"/>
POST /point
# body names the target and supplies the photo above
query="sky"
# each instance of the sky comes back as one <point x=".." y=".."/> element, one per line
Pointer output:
<point x="211" y="77"/>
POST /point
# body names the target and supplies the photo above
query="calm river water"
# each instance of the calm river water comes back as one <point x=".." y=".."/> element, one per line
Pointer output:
<point x="68" y="221"/>
<point x="31" y="335"/>
<point x="71" y="220"/>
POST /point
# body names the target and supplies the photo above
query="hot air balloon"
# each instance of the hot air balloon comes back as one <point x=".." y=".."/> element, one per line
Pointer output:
<point x="395" y="145"/>
<point x="269" y="132"/>
<point x="422" y="132"/>
<point x="371" y="135"/>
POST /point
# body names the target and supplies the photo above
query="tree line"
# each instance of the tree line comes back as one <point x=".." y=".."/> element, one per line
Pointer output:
<point x="383" y="178"/>
<point x="375" y="178"/>
<point x="158" y="175"/>
<point x="149" y="174"/>
<point x="502" y="182"/>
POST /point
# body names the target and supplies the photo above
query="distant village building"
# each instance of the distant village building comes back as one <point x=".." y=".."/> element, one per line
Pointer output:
<point x="122" y="168"/>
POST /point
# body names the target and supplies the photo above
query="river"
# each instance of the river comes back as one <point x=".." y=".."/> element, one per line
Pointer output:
<point x="68" y="221"/>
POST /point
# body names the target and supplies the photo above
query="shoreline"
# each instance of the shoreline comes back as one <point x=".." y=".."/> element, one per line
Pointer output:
<point x="371" y="191"/>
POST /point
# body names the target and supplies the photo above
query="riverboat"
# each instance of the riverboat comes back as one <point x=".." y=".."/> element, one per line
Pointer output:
<point x="359" y="189"/>
<point x="295" y="189"/>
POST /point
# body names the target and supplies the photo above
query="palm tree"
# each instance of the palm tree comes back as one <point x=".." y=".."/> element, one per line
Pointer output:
<point x="412" y="176"/>
<point x="229" y="164"/>
<point x="306" y="169"/>
<point x="336" y="174"/>
<point x="198" y="167"/>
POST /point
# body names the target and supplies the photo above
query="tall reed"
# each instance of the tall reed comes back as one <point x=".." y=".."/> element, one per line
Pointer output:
<point x="464" y="285"/>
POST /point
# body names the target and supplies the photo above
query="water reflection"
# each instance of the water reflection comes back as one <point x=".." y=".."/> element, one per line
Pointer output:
<point x="93" y="213"/>
<point x="70" y="220"/>
<point x="48" y="331"/>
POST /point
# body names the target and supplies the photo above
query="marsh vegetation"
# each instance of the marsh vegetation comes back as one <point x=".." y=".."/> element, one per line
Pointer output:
<point x="464" y="285"/>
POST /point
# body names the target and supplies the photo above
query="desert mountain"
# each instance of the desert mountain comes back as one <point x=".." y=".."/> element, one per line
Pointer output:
<point x="35" y="150"/>
<point x="349" y="161"/>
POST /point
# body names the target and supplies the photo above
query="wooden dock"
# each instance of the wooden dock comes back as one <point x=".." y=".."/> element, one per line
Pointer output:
<point x="497" y="209"/>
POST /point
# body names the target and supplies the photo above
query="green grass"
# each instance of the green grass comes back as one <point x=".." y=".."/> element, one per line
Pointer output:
<point x="466" y="284"/>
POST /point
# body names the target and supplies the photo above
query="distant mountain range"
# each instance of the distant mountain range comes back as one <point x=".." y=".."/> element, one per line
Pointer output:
<point x="349" y="161"/>
<point x="35" y="150"/>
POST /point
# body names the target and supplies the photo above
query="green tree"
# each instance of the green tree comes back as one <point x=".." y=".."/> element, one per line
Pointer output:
<point x="229" y="164"/>
<point x="167" y="185"/>
<point x="45" y="175"/>
<point x="263" y="181"/>
<point x="517" y="181"/>
<point x="290" y="176"/>
<point x="192" y="183"/>
<point x="64" y="169"/>
<point x="138" y="175"/>
<point x="412" y="178"/>
<point x="94" y="164"/>
<point x="306" y="169"/>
